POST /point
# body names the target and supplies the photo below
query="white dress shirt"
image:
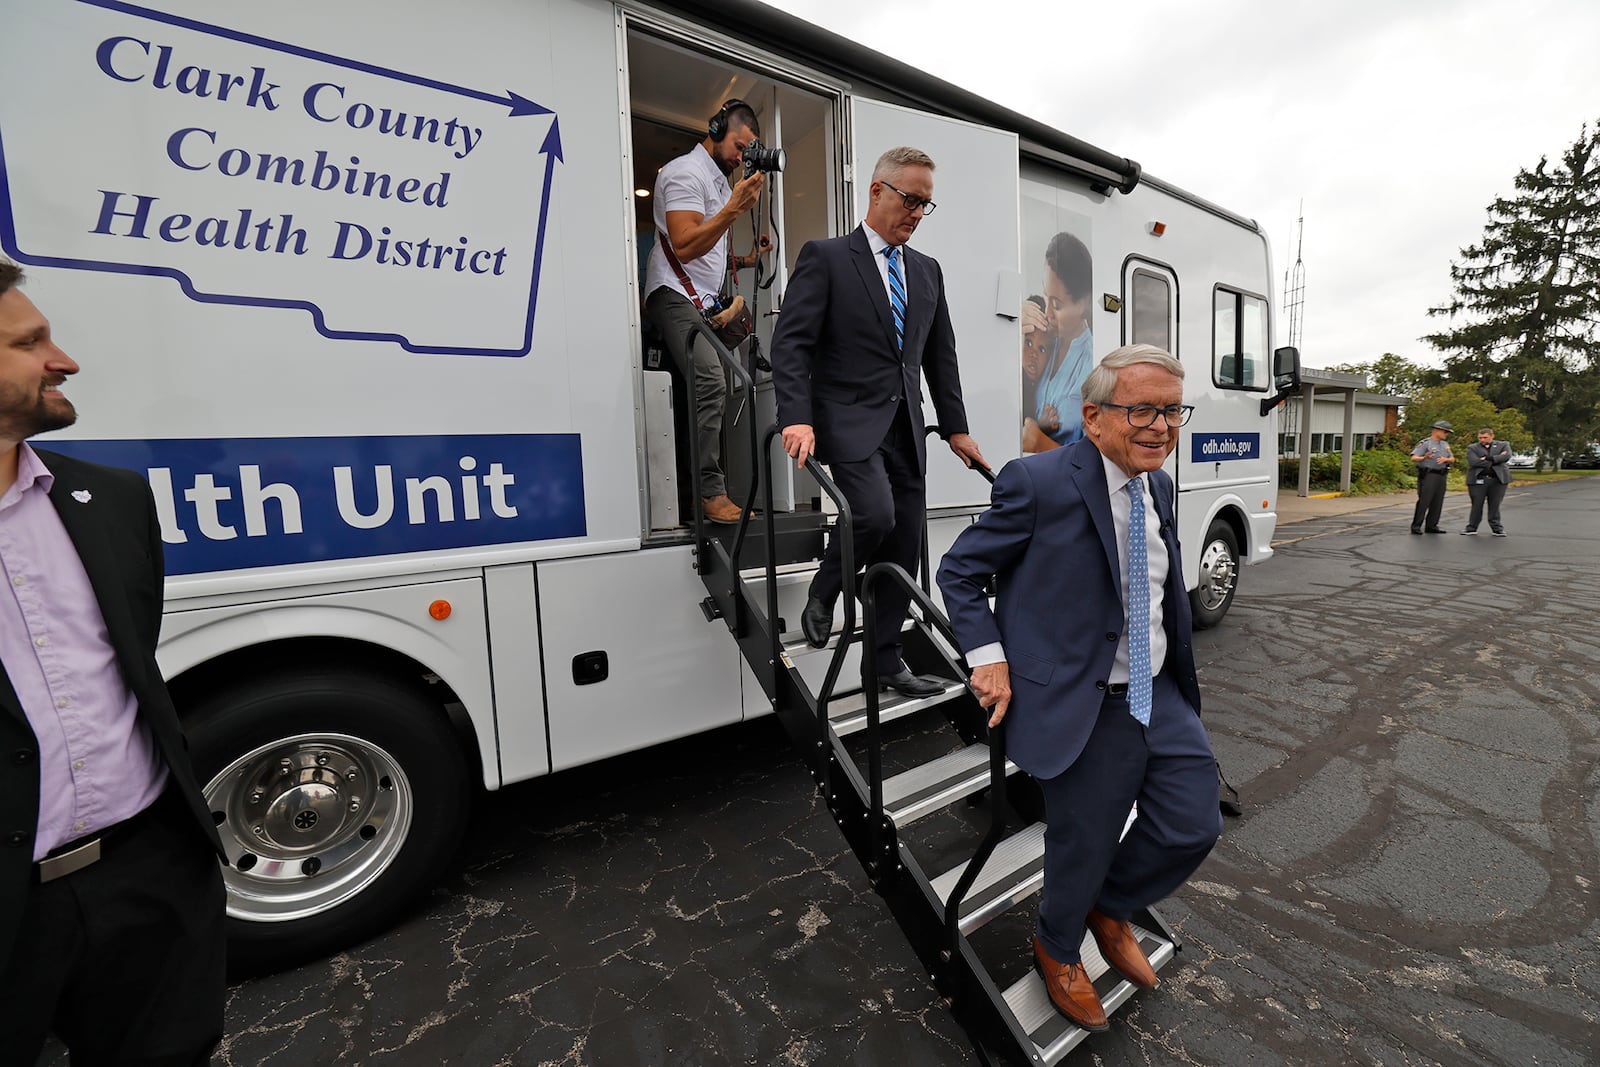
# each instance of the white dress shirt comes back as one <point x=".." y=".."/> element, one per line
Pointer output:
<point x="1155" y="549"/>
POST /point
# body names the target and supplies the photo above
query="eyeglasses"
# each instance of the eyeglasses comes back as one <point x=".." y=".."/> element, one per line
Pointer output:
<point x="1143" y="415"/>
<point x="913" y="202"/>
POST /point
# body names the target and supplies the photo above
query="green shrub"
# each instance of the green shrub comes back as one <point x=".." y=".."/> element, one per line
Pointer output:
<point x="1372" y="471"/>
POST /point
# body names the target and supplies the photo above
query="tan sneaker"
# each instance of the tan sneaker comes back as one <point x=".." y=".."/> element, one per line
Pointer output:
<point x="720" y="509"/>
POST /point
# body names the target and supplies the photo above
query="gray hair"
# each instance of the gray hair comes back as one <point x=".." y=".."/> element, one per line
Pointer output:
<point x="1101" y="384"/>
<point x="892" y="162"/>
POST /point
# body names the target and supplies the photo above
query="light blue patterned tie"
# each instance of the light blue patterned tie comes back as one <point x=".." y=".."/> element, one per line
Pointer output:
<point x="897" y="296"/>
<point x="1139" y="695"/>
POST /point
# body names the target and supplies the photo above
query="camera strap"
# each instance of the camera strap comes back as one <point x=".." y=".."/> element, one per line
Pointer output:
<point x="683" y="275"/>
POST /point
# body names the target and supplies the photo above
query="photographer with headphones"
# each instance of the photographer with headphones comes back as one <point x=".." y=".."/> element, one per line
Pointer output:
<point x="695" y="208"/>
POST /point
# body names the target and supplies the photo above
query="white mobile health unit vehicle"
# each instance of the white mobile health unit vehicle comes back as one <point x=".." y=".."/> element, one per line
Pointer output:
<point x="366" y="312"/>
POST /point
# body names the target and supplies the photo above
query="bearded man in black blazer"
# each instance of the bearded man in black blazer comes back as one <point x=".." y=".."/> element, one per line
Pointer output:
<point x="863" y="316"/>
<point x="111" y="899"/>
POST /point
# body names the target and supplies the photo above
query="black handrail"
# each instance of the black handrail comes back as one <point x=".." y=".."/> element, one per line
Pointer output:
<point x="771" y="539"/>
<point x="845" y="532"/>
<point x="748" y="386"/>
<point x="934" y="618"/>
<point x="927" y="568"/>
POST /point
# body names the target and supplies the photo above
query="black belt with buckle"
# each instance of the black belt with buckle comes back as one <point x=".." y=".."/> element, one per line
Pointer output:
<point x="1117" y="689"/>
<point x="74" y="856"/>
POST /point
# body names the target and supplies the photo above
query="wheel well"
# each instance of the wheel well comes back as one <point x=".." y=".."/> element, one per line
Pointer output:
<point x="1241" y="529"/>
<point x="331" y="653"/>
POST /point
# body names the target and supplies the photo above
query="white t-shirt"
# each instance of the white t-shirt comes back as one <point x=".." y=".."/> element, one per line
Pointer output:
<point x="692" y="182"/>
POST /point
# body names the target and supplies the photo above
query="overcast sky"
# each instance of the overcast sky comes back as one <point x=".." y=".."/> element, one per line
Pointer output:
<point x="1396" y="122"/>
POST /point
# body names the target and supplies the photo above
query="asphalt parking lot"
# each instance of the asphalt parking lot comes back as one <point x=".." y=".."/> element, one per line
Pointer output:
<point x="1413" y="722"/>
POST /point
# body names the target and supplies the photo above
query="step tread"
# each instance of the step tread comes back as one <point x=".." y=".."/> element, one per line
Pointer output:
<point x="1052" y="1034"/>
<point x="795" y="644"/>
<point x="927" y="788"/>
<point x="848" y="712"/>
<point x="1014" y="872"/>
<point x="804" y="568"/>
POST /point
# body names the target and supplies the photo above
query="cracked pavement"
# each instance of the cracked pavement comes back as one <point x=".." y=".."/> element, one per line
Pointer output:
<point x="1413" y="724"/>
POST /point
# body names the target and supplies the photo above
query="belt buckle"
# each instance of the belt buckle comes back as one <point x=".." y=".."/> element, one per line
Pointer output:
<point x="85" y="855"/>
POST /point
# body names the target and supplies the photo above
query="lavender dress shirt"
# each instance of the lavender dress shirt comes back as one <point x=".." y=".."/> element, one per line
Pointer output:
<point x="98" y="763"/>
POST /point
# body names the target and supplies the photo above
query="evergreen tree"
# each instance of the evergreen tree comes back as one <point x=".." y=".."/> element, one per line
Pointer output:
<point x="1527" y="298"/>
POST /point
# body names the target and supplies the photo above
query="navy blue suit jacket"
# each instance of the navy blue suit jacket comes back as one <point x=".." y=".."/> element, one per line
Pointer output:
<point x="1048" y="538"/>
<point x="834" y="362"/>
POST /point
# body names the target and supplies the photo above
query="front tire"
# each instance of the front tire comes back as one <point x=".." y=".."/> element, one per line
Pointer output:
<point x="1219" y="575"/>
<point x="339" y="797"/>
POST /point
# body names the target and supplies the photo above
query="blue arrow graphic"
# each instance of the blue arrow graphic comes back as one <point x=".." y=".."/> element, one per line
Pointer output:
<point x="551" y="149"/>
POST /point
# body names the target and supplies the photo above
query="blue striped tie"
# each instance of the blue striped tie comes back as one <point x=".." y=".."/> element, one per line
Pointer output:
<point x="897" y="296"/>
<point x="1139" y="688"/>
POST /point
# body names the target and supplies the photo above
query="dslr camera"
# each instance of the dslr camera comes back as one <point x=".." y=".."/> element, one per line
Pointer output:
<point x="758" y="156"/>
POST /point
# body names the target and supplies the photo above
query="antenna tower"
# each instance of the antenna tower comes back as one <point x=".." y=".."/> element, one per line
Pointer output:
<point x="1294" y="283"/>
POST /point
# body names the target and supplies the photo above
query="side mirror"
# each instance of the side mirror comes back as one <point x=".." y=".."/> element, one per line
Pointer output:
<point x="1285" y="376"/>
<point x="1286" y="368"/>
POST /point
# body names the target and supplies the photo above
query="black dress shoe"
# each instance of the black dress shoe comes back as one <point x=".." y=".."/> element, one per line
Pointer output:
<point x="816" y="622"/>
<point x="1435" y="529"/>
<point x="1416" y="531"/>
<point x="907" y="684"/>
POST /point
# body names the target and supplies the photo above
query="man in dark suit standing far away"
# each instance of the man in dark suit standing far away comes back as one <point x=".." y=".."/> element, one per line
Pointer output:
<point x="862" y="318"/>
<point x="111" y="899"/>
<point x="1488" y="474"/>
<point x="1087" y="656"/>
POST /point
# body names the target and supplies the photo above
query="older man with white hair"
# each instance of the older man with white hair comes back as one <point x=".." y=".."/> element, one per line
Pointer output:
<point x="1101" y="699"/>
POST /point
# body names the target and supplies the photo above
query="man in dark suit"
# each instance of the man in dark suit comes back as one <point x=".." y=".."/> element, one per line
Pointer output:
<point x="862" y="318"/>
<point x="1086" y="656"/>
<point x="111" y="899"/>
<point x="1488" y="474"/>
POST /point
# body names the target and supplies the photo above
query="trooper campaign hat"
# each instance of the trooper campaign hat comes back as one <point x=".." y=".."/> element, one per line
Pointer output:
<point x="1443" y="425"/>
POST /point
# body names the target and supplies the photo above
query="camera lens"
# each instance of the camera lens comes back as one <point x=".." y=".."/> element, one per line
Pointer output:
<point x="758" y="156"/>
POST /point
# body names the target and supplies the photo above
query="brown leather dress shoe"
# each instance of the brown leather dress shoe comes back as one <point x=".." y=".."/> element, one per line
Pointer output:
<point x="720" y="509"/>
<point x="1070" y="990"/>
<point x="1121" y="949"/>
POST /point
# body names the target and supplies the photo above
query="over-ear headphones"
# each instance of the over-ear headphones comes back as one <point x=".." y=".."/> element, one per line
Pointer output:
<point x="717" y="126"/>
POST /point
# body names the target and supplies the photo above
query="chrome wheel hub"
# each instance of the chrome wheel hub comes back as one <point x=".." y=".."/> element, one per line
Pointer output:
<point x="307" y="822"/>
<point x="1219" y="571"/>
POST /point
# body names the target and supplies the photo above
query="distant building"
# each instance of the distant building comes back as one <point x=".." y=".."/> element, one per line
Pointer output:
<point x="1330" y="392"/>
<point x="1334" y="413"/>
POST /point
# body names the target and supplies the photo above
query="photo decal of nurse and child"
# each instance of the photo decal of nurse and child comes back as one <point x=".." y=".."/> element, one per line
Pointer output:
<point x="1057" y="334"/>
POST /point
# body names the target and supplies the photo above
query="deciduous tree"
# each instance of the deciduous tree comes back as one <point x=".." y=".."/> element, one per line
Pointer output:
<point x="1394" y="375"/>
<point x="1463" y="406"/>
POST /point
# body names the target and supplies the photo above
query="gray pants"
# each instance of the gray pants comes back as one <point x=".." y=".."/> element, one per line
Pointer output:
<point x="1495" y="492"/>
<point x="675" y="315"/>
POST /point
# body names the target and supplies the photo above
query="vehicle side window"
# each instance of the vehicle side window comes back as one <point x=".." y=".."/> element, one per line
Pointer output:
<point x="1150" y="318"/>
<point x="1239" y="340"/>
